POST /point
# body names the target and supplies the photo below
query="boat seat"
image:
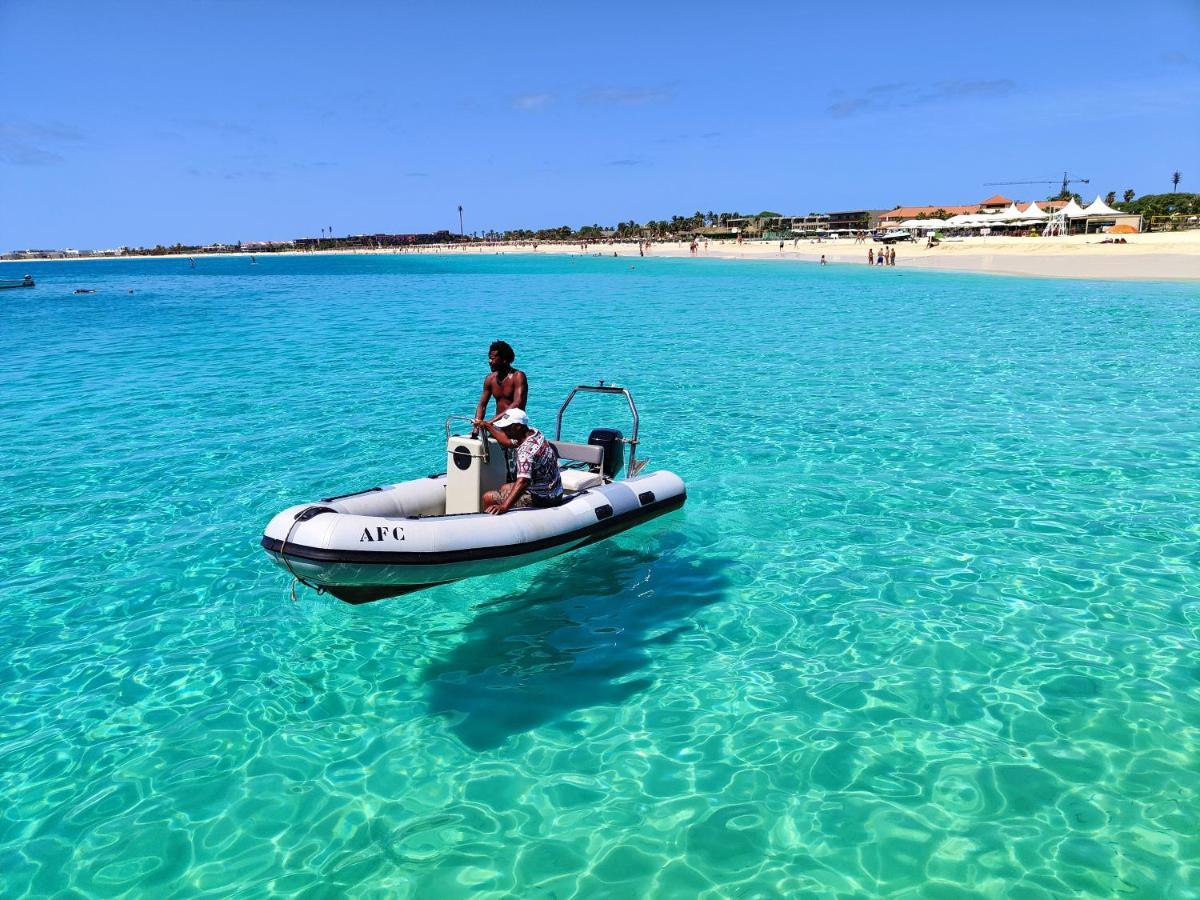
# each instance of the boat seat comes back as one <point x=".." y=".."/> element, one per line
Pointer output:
<point x="592" y="454"/>
<point x="576" y="480"/>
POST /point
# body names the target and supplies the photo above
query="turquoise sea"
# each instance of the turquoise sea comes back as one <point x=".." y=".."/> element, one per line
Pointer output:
<point x="928" y="626"/>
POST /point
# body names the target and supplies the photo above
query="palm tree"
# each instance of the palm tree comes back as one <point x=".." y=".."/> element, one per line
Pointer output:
<point x="460" y="221"/>
<point x="1175" y="176"/>
<point x="1128" y="195"/>
<point x="1110" y="197"/>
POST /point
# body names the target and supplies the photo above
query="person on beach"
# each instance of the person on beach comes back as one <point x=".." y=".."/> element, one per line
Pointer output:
<point x="870" y="256"/>
<point x="823" y="259"/>
<point x="892" y="256"/>
<point x="536" y="483"/>
<point x="507" y="386"/>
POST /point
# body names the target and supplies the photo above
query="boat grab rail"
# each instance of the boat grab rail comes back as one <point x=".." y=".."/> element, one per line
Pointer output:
<point x="603" y="388"/>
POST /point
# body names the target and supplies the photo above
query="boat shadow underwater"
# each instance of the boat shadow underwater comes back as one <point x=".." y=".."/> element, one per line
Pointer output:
<point x="572" y="641"/>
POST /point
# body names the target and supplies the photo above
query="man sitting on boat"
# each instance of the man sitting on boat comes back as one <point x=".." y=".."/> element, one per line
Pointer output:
<point x="537" y="483"/>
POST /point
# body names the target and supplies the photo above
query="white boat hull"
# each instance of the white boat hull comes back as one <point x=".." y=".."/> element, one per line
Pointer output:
<point x="383" y="542"/>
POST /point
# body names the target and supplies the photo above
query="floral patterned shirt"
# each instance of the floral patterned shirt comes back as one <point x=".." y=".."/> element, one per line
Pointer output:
<point x="537" y="460"/>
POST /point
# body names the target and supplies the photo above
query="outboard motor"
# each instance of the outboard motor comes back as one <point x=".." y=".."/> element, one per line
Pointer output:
<point x="614" y="449"/>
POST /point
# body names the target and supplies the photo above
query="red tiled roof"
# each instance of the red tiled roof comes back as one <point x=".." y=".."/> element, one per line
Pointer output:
<point x="995" y="200"/>
<point x="911" y="212"/>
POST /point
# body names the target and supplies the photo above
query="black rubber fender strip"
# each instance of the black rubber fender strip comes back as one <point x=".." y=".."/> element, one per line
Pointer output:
<point x="594" y="532"/>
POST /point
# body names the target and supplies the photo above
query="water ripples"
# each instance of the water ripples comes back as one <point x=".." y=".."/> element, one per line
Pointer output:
<point x="927" y="626"/>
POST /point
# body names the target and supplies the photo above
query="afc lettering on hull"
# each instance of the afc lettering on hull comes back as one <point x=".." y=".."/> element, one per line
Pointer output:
<point x="382" y="532"/>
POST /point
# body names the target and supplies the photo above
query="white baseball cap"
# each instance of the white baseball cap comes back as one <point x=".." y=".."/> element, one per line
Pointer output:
<point x="513" y="416"/>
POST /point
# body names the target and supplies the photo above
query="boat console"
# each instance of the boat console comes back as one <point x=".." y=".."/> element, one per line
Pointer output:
<point x="474" y="465"/>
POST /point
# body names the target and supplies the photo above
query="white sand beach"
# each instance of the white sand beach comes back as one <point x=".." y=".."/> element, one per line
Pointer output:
<point x="1159" y="255"/>
<point x="1163" y="255"/>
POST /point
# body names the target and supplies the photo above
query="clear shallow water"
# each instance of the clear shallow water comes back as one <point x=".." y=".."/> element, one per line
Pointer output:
<point x="928" y="624"/>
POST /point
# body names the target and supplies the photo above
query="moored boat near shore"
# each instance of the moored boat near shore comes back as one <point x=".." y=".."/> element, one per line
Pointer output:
<point x="25" y="282"/>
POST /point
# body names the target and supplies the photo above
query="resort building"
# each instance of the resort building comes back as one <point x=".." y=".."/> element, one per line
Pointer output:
<point x="40" y="254"/>
<point x="854" y="220"/>
<point x="265" y="246"/>
<point x="813" y="223"/>
<point x="768" y="227"/>
<point x="994" y="203"/>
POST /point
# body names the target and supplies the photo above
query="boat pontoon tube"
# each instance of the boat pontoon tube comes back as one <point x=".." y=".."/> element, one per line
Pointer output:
<point x="390" y="541"/>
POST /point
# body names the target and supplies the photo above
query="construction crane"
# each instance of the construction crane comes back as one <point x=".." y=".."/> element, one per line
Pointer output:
<point x="1067" y="181"/>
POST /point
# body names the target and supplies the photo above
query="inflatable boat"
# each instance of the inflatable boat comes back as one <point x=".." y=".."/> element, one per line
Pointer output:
<point x="387" y="541"/>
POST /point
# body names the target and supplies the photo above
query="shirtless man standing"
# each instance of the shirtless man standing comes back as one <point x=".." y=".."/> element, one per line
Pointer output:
<point x="507" y="385"/>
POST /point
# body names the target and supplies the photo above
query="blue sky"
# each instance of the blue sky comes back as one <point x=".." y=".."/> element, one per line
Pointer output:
<point x="136" y="123"/>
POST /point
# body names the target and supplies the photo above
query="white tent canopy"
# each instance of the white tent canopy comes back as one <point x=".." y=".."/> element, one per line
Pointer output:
<point x="1033" y="213"/>
<point x="1073" y="210"/>
<point x="1099" y="208"/>
<point x="1012" y="212"/>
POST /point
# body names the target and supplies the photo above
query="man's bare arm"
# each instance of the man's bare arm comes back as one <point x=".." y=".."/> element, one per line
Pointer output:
<point x="484" y="398"/>
<point x="520" y="390"/>
<point x="501" y="438"/>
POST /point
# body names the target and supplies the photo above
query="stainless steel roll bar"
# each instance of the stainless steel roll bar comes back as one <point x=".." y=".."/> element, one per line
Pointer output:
<point x="602" y="388"/>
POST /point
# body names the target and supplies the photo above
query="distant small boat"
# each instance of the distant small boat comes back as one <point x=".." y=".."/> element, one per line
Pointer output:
<point x="27" y="281"/>
<point x="85" y="290"/>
